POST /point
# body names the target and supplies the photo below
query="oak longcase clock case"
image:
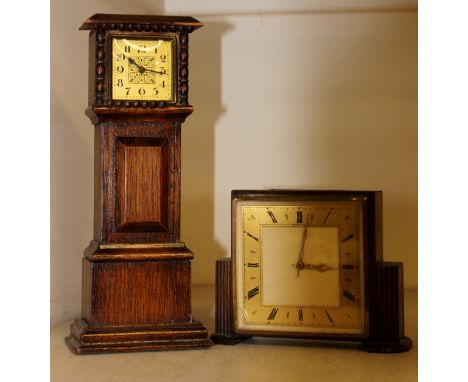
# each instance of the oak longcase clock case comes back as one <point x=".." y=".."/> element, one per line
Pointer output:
<point x="136" y="273"/>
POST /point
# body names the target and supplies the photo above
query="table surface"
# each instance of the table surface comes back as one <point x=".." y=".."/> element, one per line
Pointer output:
<point x="257" y="359"/>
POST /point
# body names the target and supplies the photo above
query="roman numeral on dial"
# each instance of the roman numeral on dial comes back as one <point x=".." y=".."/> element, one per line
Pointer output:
<point x="349" y="295"/>
<point x="253" y="265"/>
<point x="253" y="292"/>
<point x="250" y="235"/>
<point x="328" y="215"/>
<point x="329" y="318"/>
<point x="273" y="314"/>
<point x="299" y="216"/>
<point x="272" y="216"/>
<point x="347" y="238"/>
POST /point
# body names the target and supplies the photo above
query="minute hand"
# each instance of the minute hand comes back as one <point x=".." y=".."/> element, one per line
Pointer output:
<point x="300" y="261"/>
<point x="154" y="71"/>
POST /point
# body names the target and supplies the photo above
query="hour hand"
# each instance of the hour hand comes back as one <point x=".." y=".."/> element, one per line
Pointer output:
<point x="141" y="69"/>
<point x="318" y="267"/>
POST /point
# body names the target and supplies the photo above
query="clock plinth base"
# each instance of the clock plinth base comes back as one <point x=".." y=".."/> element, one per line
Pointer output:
<point x="86" y="339"/>
<point x="397" y="346"/>
<point x="387" y="324"/>
<point x="222" y="339"/>
<point x="224" y="315"/>
<point x="136" y="297"/>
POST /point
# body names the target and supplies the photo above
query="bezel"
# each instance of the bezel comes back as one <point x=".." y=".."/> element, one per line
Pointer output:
<point x="150" y="37"/>
<point x="368" y="256"/>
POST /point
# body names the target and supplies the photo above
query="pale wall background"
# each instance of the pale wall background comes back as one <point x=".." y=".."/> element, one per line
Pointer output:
<point x="287" y="94"/>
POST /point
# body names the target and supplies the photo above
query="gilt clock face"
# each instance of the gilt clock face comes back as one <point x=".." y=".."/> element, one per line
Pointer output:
<point x="142" y="69"/>
<point x="299" y="267"/>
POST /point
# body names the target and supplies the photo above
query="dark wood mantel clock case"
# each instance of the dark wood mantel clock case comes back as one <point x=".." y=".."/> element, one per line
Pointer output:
<point x="309" y="264"/>
<point x="136" y="273"/>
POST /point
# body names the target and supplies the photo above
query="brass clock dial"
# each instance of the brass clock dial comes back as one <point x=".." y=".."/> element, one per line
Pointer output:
<point x="299" y="267"/>
<point x="142" y="69"/>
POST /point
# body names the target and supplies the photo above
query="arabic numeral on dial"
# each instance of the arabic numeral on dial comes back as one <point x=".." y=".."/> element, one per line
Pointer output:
<point x="164" y="84"/>
<point x="141" y="91"/>
<point x="127" y="91"/>
<point x="163" y="58"/>
<point x="155" y="91"/>
<point x="119" y="82"/>
<point x="120" y="69"/>
<point x="120" y="57"/>
<point x="127" y="48"/>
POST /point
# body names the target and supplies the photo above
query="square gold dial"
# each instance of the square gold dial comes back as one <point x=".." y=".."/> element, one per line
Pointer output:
<point x="299" y="267"/>
<point x="142" y="69"/>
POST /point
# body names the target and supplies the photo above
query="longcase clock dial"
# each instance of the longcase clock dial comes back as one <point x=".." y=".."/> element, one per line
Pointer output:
<point x="142" y="69"/>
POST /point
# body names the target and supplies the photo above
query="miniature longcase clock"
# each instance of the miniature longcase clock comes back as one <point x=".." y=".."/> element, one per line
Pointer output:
<point x="136" y="273"/>
<point x="308" y="264"/>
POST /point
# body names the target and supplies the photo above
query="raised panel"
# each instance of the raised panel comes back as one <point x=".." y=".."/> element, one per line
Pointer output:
<point x="141" y="193"/>
<point x="137" y="292"/>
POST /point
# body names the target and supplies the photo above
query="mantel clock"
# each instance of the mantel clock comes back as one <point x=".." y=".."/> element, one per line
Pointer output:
<point x="136" y="273"/>
<point x="308" y="264"/>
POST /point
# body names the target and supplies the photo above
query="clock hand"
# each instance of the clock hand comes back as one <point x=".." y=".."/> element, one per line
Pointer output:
<point x="300" y="261"/>
<point x="315" y="267"/>
<point x="154" y="71"/>
<point x="141" y="68"/>
<point x="318" y="267"/>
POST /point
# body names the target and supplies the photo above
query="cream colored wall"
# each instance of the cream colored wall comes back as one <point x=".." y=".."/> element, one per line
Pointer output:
<point x="296" y="96"/>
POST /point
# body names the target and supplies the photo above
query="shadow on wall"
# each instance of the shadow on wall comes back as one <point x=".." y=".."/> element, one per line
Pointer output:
<point x="71" y="204"/>
<point x="198" y="151"/>
<point x="71" y="142"/>
<point x="352" y="122"/>
<point x="365" y="120"/>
